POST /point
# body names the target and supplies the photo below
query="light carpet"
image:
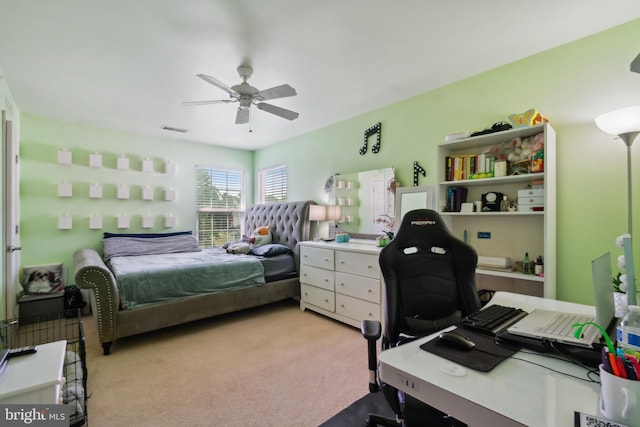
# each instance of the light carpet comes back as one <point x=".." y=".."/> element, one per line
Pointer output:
<point x="269" y="366"/>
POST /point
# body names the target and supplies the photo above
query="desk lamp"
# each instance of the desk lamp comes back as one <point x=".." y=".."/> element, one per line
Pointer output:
<point x="625" y="123"/>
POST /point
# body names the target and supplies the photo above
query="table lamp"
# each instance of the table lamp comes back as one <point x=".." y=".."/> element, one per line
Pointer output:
<point x="317" y="213"/>
<point x="334" y="214"/>
<point x="625" y="124"/>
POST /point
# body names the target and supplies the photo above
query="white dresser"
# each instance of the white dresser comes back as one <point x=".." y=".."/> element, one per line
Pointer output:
<point x="341" y="280"/>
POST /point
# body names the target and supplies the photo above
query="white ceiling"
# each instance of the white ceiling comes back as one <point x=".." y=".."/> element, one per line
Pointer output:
<point x="129" y="64"/>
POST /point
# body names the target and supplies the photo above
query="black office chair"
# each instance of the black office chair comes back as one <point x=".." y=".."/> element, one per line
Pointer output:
<point x="429" y="278"/>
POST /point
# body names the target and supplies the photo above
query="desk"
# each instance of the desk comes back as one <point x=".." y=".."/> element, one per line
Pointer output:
<point x="514" y="393"/>
<point x="35" y="378"/>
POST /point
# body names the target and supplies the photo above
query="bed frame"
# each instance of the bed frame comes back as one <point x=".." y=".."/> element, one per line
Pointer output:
<point x="290" y="225"/>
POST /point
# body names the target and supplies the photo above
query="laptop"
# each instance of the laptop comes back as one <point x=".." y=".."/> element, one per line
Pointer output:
<point x="555" y="326"/>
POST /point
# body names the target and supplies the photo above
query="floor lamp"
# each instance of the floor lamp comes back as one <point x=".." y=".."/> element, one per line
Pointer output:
<point x="625" y="123"/>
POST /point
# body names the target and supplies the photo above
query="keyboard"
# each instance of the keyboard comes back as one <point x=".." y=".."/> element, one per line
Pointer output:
<point x="493" y="319"/>
<point x="562" y="326"/>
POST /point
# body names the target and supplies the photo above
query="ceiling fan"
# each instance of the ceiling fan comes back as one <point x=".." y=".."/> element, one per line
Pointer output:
<point x="245" y="95"/>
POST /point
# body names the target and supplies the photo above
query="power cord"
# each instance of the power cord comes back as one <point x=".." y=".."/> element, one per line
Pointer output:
<point x="565" y="358"/>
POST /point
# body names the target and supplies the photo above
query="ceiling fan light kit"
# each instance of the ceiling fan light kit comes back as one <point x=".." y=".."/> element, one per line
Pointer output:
<point x="246" y="95"/>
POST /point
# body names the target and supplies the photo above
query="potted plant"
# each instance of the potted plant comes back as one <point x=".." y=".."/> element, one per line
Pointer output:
<point x="619" y="295"/>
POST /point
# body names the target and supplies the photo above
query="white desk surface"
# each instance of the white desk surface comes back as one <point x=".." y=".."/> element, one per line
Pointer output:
<point x="31" y="372"/>
<point x="513" y="393"/>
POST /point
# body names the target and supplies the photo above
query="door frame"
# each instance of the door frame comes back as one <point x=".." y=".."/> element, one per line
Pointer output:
<point x="11" y="214"/>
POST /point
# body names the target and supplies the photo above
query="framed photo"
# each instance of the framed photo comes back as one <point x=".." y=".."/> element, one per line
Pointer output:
<point x="42" y="279"/>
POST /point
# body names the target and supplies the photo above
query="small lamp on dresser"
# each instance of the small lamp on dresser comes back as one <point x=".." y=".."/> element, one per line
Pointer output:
<point x="334" y="214"/>
<point x="317" y="213"/>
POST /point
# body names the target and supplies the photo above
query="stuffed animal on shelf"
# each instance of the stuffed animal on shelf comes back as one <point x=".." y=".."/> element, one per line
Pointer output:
<point x="519" y="149"/>
<point x="537" y="153"/>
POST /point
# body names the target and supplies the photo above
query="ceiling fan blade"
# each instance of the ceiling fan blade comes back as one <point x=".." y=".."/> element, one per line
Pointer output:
<point x="276" y="92"/>
<point x="219" y="101"/>
<point x="217" y="83"/>
<point x="243" y="116"/>
<point x="278" y="111"/>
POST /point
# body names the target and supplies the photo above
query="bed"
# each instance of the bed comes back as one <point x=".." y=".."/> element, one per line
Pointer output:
<point x="132" y="289"/>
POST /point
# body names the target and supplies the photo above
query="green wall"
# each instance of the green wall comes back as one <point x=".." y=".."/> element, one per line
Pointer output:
<point x="40" y="174"/>
<point x="571" y="85"/>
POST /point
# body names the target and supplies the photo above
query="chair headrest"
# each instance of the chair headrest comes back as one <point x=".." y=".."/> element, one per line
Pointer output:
<point x="423" y="225"/>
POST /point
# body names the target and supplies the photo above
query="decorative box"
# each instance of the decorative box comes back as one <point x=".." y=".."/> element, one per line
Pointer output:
<point x="531" y="199"/>
<point x="32" y="305"/>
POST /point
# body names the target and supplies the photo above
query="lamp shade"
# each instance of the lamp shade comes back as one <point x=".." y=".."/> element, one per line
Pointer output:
<point x="317" y="213"/>
<point x="334" y="212"/>
<point x="620" y="122"/>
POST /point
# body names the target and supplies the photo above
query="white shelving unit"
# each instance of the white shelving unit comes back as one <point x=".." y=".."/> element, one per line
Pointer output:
<point x="511" y="233"/>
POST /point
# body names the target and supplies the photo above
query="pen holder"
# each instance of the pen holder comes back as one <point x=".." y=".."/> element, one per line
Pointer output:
<point x="619" y="399"/>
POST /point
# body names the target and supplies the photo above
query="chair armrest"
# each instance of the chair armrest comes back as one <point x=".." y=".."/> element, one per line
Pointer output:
<point x="90" y="272"/>
<point x="371" y="329"/>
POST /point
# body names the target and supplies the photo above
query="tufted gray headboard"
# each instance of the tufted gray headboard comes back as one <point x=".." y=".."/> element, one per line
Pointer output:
<point x="289" y="221"/>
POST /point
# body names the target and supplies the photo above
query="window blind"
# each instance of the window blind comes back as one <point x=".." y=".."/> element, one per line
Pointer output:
<point x="273" y="184"/>
<point x="220" y="205"/>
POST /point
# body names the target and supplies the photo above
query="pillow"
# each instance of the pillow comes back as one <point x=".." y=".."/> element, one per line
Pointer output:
<point x="42" y="279"/>
<point x="270" y="249"/>
<point x="147" y="235"/>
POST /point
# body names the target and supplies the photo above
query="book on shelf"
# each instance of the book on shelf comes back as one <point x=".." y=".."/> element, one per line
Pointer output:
<point x="463" y="167"/>
<point x="456" y="196"/>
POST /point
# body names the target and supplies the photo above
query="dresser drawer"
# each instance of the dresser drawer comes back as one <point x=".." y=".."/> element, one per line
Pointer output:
<point x="317" y="257"/>
<point x="357" y="309"/>
<point x="317" y="277"/>
<point x="358" y="286"/>
<point x="357" y="263"/>
<point x="319" y="297"/>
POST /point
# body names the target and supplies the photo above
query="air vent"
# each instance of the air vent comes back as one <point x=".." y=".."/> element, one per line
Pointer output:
<point x="171" y="128"/>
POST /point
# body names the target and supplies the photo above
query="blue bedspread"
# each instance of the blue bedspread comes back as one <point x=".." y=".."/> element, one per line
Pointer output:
<point x="145" y="279"/>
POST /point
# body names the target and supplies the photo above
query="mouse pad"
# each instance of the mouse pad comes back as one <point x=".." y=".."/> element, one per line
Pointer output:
<point x="485" y="356"/>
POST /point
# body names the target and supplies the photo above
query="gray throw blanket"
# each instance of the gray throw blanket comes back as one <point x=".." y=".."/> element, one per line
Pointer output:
<point x="127" y="246"/>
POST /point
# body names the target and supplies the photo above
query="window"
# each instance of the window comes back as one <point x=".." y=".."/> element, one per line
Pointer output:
<point x="220" y="205"/>
<point x="273" y="184"/>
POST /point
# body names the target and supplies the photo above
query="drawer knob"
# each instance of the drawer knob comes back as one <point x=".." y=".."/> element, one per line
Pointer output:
<point x="342" y="305"/>
<point x="341" y="284"/>
<point x="369" y="266"/>
<point x="326" y="259"/>
<point x="341" y="262"/>
<point x="370" y="290"/>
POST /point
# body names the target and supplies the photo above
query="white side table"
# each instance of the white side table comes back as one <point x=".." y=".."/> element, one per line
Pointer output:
<point x="35" y="378"/>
